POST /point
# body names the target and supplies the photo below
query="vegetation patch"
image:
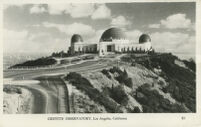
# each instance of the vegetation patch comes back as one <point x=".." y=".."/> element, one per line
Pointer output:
<point x="106" y="73"/>
<point x="122" y="77"/>
<point x="181" y="81"/>
<point x="117" y="93"/>
<point x="153" y="102"/>
<point x="12" y="89"/>
<point x="190" y="64"/>
<point x="84" y="85"/>
<point x="44" y="61"/>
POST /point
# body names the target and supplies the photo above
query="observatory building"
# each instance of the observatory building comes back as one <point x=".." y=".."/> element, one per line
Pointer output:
<point x="78" y="45"/>
<point x="112" y="41"/>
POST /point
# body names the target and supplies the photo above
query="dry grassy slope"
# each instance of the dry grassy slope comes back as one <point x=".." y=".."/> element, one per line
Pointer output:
<point x="81" y="103"/>
<point x="139" y="74"/>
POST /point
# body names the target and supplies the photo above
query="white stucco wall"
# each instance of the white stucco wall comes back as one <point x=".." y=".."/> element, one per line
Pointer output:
<point x="119" y="46"/>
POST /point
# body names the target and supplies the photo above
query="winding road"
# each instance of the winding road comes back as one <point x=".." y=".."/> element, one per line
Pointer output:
<point x="51" y="94"/>
<point x="57" y="94"/>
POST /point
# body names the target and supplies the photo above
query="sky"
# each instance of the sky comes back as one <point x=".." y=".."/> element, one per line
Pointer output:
<point x="49" y="27"/>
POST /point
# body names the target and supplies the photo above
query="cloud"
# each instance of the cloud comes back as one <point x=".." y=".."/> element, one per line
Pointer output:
<point x="70" y="29"/>
<point x="75" y="10"/>
<point x="23" y="41"/>
<point x="102" y="12"/>
<point x="133" y="35"/>
<point x="36" y="9"/>
<point x="96" y="11"/>
<point x="176" y="21"/>
<point x="81" y="10"/>
<point x="57" y="9"/>
<point x="154" y="26"/>
<point x="173" y="42"/>
<point x="120" y="21"/>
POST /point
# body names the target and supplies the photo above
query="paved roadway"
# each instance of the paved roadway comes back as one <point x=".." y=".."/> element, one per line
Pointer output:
<point x="29" y="74"/>
<point x="57" y="94"/>
<point x="49" y="96"/>
<point x="53" y="97"/>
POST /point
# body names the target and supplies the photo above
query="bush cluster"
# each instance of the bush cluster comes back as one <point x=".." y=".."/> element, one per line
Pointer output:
<point x="106" y="73"/>
<point x="190" y="64"/>
<point x="119" y="95"/>
<point x="181" y="80"/>
<point x="153" y="102"/>
<point x="122" y="77"/>
<point x="38" y="62"/>
<point x="61" y="54"/>
<point x="84" y="85"/>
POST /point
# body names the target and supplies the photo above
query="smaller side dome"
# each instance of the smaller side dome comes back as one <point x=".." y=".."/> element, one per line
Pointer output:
<point x="76" y="38"/>
<point x="144" y="38"/>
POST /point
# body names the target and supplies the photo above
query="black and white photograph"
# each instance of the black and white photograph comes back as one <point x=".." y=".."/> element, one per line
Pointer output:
<point x="80" y="58"/>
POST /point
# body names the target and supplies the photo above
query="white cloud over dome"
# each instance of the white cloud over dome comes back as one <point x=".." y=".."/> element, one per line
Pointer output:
<point x="96" y="11"/>
<point x="36" y="9"/>
<point x="102" y="12"/>
<point x="154" y="25"/>
<point x="70" y="29"/>
<point x="75" y="10"/>
<point x="120" y="21"/>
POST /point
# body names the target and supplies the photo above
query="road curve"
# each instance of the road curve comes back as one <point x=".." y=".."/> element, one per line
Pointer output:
<point x="53" y="88"/>
<point x="57" y="100"/>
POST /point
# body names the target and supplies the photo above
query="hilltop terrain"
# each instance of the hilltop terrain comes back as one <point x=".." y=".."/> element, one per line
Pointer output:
<point x="127" y="83"/>
<point x="158" y="83"/>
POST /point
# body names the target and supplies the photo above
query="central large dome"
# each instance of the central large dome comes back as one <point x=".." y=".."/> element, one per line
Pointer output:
<point x="112" y="33"/>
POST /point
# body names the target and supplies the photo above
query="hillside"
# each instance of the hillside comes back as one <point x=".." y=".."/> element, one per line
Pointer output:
<point x="153" y="83"/>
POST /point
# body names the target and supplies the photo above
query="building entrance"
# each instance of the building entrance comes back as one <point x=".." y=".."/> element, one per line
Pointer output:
<point x="110" y="48"/>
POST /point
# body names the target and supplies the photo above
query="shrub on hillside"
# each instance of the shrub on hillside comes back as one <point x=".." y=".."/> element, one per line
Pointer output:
<point x="122" y="77"/>
<point x="181" y="80"/>
<point x="119" y="95"/>
<point x="190" y="64"/>
<point x="136" y="110"/>
<point x="115" y="69"/>
<point x="152" y="101"/>
<point x="84" y="85"/>
<point x="106" y="73"/>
